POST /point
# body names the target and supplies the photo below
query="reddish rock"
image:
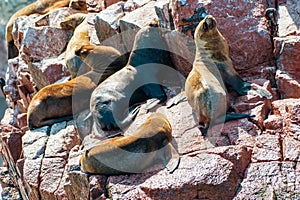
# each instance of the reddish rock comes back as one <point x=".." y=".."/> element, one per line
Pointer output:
<point x="201" y="176"/>
<point x="106" y="22"/>
<point x="50" y="176"/>
<point x="252" y="32"/>
<point x="239" y="155"/>
<point x="288" y="19"/>
<point x="31" y="177"/>
<point x="270" y="180"/>
<point x="288" y="76"/>
<point x="91" y="29"/>
<point x="95" y="5"/>
<point x="131" y="5"/>
<point x="11" y="142"/>
<point x="77" y="185"/>
<point x="97" y="187"/>
<point x="133" y="21"/>
<point x="241" y="132"/>
<point x="98" y="5"/>
<point x="267" y="148"/>
<point x="43" y="42"/>
<point x="291" y="149"/>
<point x="288" y="110"/>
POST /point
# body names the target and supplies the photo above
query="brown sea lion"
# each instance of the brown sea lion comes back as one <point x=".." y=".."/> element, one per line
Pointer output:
<point x="58" y="102"/>
<point x="78" y="23"/>
<point x="204" y="87"/>
<point x="214" y="46"/>
<point x="39" y="7"/>
<point x="150" y="144"/>
<point x="115" y="102"/>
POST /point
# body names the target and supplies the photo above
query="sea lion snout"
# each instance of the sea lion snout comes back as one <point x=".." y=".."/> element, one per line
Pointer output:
<point x="209" y="23"/>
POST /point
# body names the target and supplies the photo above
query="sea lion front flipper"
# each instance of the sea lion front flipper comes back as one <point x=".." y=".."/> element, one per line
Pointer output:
<point x="176" y="100"/>
<point x="260" y="91"/>
<point x="152" y="103"/>
<point x="171" y="158"/>
<point x="233" y="116"/>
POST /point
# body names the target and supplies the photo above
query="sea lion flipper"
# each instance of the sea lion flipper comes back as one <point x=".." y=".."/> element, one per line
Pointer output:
<point x="260" y="91"/>
<point x="176" y="100"/>
<point x="233" y="116"/>
<point x="152" y="103"/>
<point x="174" y="159"/>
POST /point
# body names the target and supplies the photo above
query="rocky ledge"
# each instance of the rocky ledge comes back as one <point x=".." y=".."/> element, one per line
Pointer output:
<point x="241" y="159"/>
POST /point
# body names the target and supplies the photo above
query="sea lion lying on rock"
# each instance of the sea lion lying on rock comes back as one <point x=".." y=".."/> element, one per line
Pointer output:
<point x="78" y="23"/>
<point x="58" y="102"/>
<point x="150" y="144"/>
<point x="39" y="7"/>
<point x="115" y="102"/>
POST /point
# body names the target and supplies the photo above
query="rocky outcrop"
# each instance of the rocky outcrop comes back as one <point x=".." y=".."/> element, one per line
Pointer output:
<point x="253" y="158"/>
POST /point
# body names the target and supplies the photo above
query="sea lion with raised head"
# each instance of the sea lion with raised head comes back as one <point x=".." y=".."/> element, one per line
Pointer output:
<point x="115" y="102"/>
<point x="58" y="102"/>
<point x="150" y="144"/>
<point x="39" y="7"/>
<point x="204" y="87"/>
<point x="80" y="37"/>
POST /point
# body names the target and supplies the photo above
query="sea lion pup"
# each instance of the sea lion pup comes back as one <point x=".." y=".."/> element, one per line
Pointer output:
<point x="78" y="23"/>
<point x="58" y="102"/>
<point x="115" y="102"/>
<point x="204" y="87"/>
<point x="150" y="144"/>
<point x="39" y="7"/>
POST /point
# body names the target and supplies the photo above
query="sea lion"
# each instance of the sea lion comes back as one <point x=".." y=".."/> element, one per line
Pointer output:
<point x="78" y="23"/>
<point x="39" y="7"/>
<point x="57" y="102"/>
<point x="204" y="87"/>
<point x="115" y="102"/>
<point x="150" y="144"/>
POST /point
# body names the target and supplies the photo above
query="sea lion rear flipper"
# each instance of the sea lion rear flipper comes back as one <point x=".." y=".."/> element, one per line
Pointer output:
<point x="176" y="100"/>
<point x="172" y="157"/>
<point x="233" y="116"/>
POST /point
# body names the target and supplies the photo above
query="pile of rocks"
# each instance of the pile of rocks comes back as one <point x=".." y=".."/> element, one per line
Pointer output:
<point x="239" y="159"/>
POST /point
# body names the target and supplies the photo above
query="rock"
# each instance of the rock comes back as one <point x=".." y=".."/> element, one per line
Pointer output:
<point x="133" y="21"/>
<point x="290" y="149"/>
<point x="241" y="132"/>
<point x="201" y="176"/>
<point x="98" y="5"/>
<point x="94" y="5"/>
<point x="252" y="31"/>
<point x="131" y="5"/>
<point x="163" y="13"/>
<point x="270" y="180"/>
<point x="43" y="42"/>
<point x="288" y="19"/>
<point x="48" y="71"/>
<point x="106" y="22"/>
<point x="267" y="148"/>
<point x="287" y="111"/>
<point x="98" y="187"/>
<point x="288" y="76"/>
<point x="77" y="186"/>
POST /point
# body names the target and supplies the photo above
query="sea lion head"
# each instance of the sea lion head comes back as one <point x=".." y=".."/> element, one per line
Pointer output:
<point x="149" y="46"/>
<point x="206" y="28"/>
<point x="101" y="57"/>
<point x="72" y="21"/>
<point x="78" y="5"/>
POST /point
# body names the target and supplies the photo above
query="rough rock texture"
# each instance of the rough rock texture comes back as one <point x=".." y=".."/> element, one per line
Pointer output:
<point x="255" y="158"/>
